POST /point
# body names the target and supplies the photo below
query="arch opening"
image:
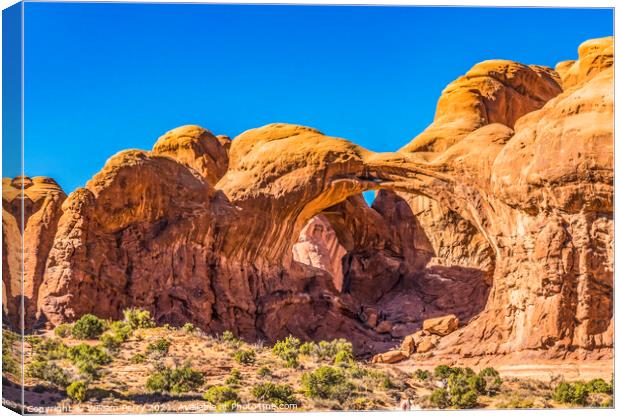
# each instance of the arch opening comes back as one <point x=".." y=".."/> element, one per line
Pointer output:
<point x="402" y="260"/>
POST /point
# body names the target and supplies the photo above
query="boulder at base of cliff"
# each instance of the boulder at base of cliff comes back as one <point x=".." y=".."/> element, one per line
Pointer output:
<point x="441" y="326"/>
<point x="427" y="343"/>
<point x="389" y="357"/>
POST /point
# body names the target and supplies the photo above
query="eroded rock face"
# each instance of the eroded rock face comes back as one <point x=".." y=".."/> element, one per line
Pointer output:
<point x="595" y="55"/>
<point x="318" y="247"/>
<point x="495" y="91"/>
<point x="41" y="200"/>
<point x="500" y="213"/>
<point x="196" y="148"/>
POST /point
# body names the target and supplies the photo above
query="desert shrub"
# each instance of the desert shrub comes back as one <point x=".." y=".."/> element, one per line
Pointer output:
<point x="462" y="395"/>
<point x="63" y="330"/>
<point x="224" y="397"/>
<point x="442" y="372"/>
<point x="121" y="330"/>
<point x="477" y="384"/>
<point x="77" y="391"/>
<point x="179" y="380"/>
<point x="572" y="393"/>
<point x="363" y="403"/>
<point x="234" y="377"/>
<point x="111" y="342"/>
<point x="598" y="385"/>
<point x="49" y="349"/>
<point x="48" y="371"/>
<point x="10" y="363"/>
<point x="138" y="358"/>
<point x="88" y="353"/>
<point x="228" y="337"/>
<point x="493" y="381"/>
<point x="33" y="341"/>
<point x="308" y="348"/>
<point x="327" y="383"/>
<point x="288" y="350"/>
<point x="468" y="400"/>
<point x="245" y="357"/>
<point x="88" y="359"/>
<point x="488" y="372"/>
<point x="439" y="398"/>
<point x="422" y="374"/>
<point x="356" y="371"/>
<point x="88" y="327"/>
<point x="264" y="371"/>
<point x="343" y="358"/>
<point x="278" y="394"/>
<point x="189" y="328"/>
<point x="387" y="383"/>
<point x="161" y="346"/>
<point x="138" y="318"/>
<point x="328" y="350"/>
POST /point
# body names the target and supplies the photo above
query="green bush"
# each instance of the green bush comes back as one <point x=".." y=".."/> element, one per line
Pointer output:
<point x="329" y="350"/>
<point x="278" y="394"/>
<point x="121" y="330"/>
<point x="229" y="337"/>
<point x="462" y="395"/>
<point x="598" y="385"/>
<point x="138" y="318"/>
<point x="111" y="342"/>
<point x="422" y="374"/>
<point x="10" y="353"/>
<point x="468" y="400"/>
<point x="179" y="380"/>
<point x="189" y="327"/>
<point x="477" y="384"/>
<point x="356" y="371"/>
<point x="264" y="371"/>
<point x="492" y="380"/>
<point x="138" y="358"/>
<point x="245" y="357"/>
<point x="442" y="372"/>
<point x="49" y="348"/>
<point x="88" y="327"/>
<point x="327" y="383"/>
<point x="48" y="371"/>
<point x="217" y="395"/>
<point x="572" y="393"/>
<point x="308" y="348"/>
<point x="234" y="378"/>
<point x="343" y="358"/>
<point x="77" y="391"/>
<point x="88" y="353"/>
<point x="88" y="359"/>
<point x="160" y="346"/>
<point x="63" y="330"/>
<point x="440" y="399"/>
<point x="288" y="350"/>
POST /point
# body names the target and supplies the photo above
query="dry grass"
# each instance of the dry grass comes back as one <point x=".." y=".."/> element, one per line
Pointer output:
<point x="122" y="385"/>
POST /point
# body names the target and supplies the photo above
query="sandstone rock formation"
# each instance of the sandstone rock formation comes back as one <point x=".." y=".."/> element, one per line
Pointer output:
<point x="500" y="213"/>
<point x="39" y="199"/>
<point x="442" y="325"/>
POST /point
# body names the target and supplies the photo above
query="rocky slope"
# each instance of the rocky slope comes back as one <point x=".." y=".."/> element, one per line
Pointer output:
<point x="501" y="212"/>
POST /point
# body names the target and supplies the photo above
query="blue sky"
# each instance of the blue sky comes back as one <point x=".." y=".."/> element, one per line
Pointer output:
<point x="101" y="78"/>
